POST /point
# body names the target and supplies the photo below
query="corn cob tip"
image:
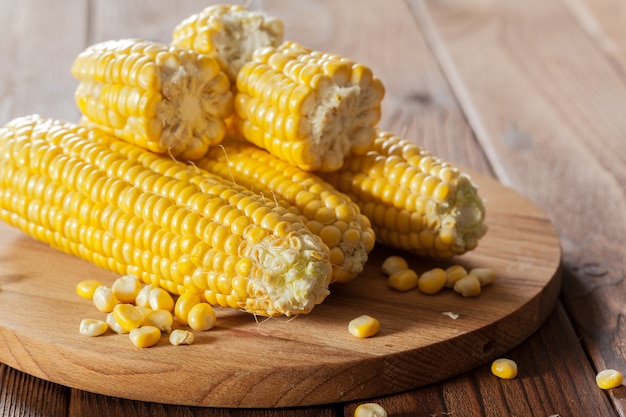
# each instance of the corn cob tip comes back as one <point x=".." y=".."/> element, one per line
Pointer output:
<point x="157" y="96"/>
<point x="230" y="33"/>
<point x="292" y="274"/>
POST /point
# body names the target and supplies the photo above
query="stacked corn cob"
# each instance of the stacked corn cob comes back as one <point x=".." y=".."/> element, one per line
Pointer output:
<point x="318" y="182"/>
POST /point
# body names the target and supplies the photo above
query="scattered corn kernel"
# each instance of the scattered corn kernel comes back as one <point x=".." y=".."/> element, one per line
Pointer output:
<point x="126" y="288"/>
<point x="404" y="280"/>
<point x="485" y="275"/>
<point x="114" y="325"/>
<point x="609" y="378"/>
<point x="92" y="327"/>
<point x="144" y="310"/>
<point x="159" y="299"/>
<point x="364" y="326"/>
<point x="453" y="274"/>
<point x="181" y="337"/>
<point x="161" y="319"/>
<point x="183" y="305"/>
<point x="87" y="287"/>
<point x="143" y="296"/>
<point x="370" y="410"/>
<point x="432" y="281"/>
<point x="104" y="300"/>
<point x="468" y="286"/>
<point x="127" y="316"/>
<point x="504" y="368"/>
<point x="394" y="264"/>
<point x="145" y="336"/>
<point x="201" y="317"/>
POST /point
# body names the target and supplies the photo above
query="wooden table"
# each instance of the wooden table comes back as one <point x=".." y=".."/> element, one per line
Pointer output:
<point x="532" y="93"/>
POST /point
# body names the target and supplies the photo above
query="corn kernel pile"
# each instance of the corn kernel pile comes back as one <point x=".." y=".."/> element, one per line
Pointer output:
<point x="144" y="312"/>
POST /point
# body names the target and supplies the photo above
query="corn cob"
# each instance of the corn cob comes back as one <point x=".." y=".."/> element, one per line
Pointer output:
<point x="329" y="213"/>
<point x="415" y="201"/>
<point x="308" y="108"/>
<point x="174" y="226"/>
<point x="160" y="97"/>
<point x="230" y="33"/>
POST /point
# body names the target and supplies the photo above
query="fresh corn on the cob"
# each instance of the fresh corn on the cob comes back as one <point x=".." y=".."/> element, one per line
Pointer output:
<point x="230" y="33"/>
<point x="163" y="98"/>
<point x="416" y="202"/>
<point x="329" y="213"/>
<point x="306" y="107"/>
<point x="176" y="227"/>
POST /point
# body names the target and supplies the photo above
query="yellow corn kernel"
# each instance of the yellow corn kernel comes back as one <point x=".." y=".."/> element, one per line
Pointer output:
<point x="127" y="316"/>
<point x="432" y="281"/>
<point x="86" y="288"/>
<point x="468" y="286"/>
<point x="93" y="327"/>
<point x="143" y="296"/>
<point x="484" y="275"/>
<point x="126" y="288"/>
<point x="453" y="274"/>
<point x="201" y="317"/>
<point x="145" y="336"/>
<point x="184" y="303"/>
<point x="364" y="326"/>
<point x="181" y="337"/>
<point x="159" y="299"/>
<point x="415" y="202"/>
<point x="166" y="99"/>
<point x="328" y="213"/>
<point x="144" y="310"/>
<point x="161" y="319"/>
<point x="114" y="325"/>
<point x="404" y="280"/>
<point x="173" y="225"/>
<point x="393" y="264"/>
<point x="104" y="300"/>
<point x="305" y="107"/>
<point x="229" y="33"/>
<point x="609" y="379"/>
<point x="370" y="410"/>
<point x="504" y="368"/>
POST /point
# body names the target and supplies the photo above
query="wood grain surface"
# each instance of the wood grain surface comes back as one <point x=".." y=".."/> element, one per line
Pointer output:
<point x="280" y="362"/>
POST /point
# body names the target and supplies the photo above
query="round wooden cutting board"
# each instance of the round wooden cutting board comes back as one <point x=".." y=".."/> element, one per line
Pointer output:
<point x="279" y="362"/>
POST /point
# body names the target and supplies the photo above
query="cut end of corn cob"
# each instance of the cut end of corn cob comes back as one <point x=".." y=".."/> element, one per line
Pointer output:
<point x="306" y="107"/>
<point x="326" y="212"/>
<point x="416" y="202"/>
<point x="160" y="97"/>
<point x="173" y="225"/>
<point x="230" y="33"/>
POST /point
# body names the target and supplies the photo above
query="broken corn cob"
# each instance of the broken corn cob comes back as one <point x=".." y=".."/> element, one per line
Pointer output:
<point x="162" y="98"/>
<point x="229" y="33"/>
<point x="329" y="213"/>
<point x="308" y="108"/>
<point x="416" y="202"/>
<point x="174" y="226"/>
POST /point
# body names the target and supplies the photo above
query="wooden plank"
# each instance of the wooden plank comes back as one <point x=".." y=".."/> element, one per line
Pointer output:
<point x="36" y="57"/>
<point x="25" y="395"/>
<point x="546" y="362"/>
<point x="542" y="112"/>
<point x="85" y="404"/>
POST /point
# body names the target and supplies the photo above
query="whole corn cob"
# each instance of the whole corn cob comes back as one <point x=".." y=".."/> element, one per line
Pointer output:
<point x="177" y="227"/>
<point x="308" y="108"/>
<point x="329" y="213"/>
<point x="163" y="98"/>
<point x="230" y="33"/>
<point x="415" y="201"/>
